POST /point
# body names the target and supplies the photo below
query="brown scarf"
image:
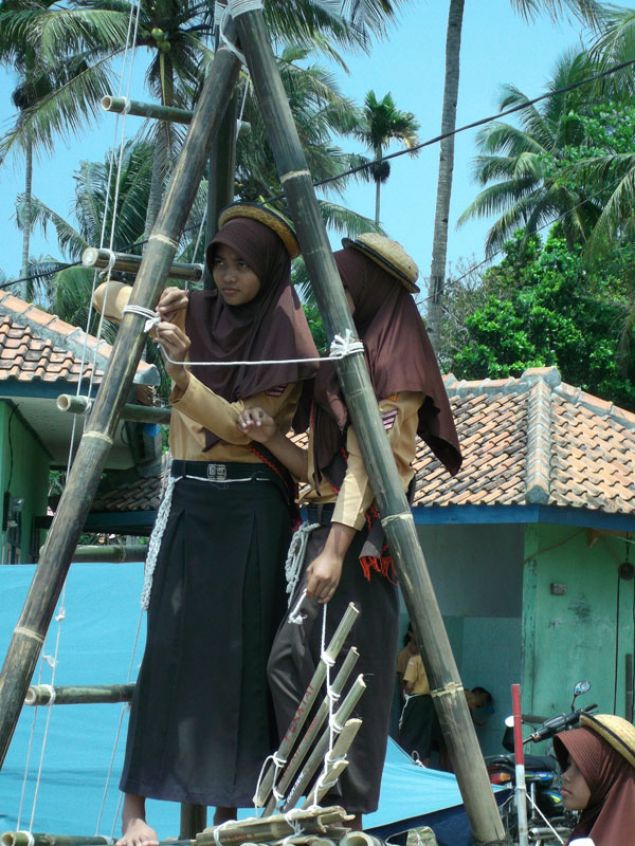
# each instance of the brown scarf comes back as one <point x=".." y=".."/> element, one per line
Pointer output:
<point x="270" y="327"/>
<point x="399" y="357"/>
<point x="609" y="818"/>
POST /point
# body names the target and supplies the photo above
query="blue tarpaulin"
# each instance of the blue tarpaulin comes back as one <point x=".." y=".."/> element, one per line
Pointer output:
<point x="101" y="616"/>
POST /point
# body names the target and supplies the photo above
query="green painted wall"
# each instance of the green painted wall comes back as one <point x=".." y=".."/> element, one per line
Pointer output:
<point x="24" y="471"/>
<point x="586" y="632"/>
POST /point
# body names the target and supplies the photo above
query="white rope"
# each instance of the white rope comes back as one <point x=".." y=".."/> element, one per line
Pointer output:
<point x="295" y="559"/>
<point x="226" y="42"/>
<point x="217" y="830"/>
<point x="152" y="318"/>
<point x="30" y="840"/>
<point x="51" y="692"/>
<point x="112" y="260"/>
<point x="219" y="11"/>
<point x="155" y="539"/>
<point x="241" y="7"/>
<point x="341" y="347"/>
<point x="294" y="615"/>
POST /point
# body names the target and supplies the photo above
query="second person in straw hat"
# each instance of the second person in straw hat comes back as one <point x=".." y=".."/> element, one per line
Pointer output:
<point x="346" y="558"/>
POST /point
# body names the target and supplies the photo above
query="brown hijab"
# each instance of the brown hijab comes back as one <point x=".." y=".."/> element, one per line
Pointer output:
<point x="270" y="327"/>
<point x="609" y="818"/>
<point x="399" y="357"/>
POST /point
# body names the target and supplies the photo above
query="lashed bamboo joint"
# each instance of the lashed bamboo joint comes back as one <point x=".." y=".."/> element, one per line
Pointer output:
<point x="128" y="263"/>
<point x="46" y="694"/>
<point x="132" y="412"/>
<point x="122" y="105"/>
<point x="318" y="821"/>
<point x="28" y="838"/>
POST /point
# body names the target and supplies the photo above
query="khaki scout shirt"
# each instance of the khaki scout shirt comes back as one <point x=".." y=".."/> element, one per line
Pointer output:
<point x="198" y="408"/>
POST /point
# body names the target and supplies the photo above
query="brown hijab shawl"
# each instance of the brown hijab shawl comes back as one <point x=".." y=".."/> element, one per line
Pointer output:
<point x="270" y="327"/>
<point x="609" y="818"/>
<point x="399" y="357"/>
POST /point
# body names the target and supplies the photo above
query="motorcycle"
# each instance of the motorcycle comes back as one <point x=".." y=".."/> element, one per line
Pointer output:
<point x="547" y="819"/>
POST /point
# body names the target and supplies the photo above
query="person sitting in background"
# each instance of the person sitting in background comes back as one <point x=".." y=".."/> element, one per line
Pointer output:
<point x="598" y="778"/>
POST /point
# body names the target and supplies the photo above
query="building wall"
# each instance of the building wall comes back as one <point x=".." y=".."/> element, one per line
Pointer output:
<point x="477" y="575"/>
<point x="586" y="631"/>
<point x="24" y="472"/>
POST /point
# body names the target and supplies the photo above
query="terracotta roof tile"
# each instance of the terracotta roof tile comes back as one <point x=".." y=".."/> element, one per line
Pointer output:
<point x="36" y="345"/>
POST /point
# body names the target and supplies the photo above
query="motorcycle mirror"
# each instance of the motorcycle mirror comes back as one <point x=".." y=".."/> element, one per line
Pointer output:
<point x="582" y="687"/>
<point x="509" y="721"/>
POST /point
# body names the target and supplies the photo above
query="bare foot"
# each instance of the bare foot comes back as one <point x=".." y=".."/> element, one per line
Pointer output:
<point x="136" y="831"/>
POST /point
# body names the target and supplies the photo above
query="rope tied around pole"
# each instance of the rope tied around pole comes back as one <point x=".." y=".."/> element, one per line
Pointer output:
<point x="112" y="255"/>
<point x="152" y="318"/>
<point x="229" y="45"/>
<point x="241" y="7"/>
<point x="48" y="688"/>
<point x="451" y="689"/>
<point x="30" y="840"/>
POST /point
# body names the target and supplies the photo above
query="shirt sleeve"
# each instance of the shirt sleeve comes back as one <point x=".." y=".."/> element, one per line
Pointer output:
<point x="399" y="415"/>
<point x="211" y="411"/>
<point x="410" y="674"/>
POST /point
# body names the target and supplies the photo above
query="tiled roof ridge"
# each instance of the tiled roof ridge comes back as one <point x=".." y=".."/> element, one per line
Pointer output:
<point x="50" y="327"/>
<point x="538" y="461"/>
<point x="604" y="408"/>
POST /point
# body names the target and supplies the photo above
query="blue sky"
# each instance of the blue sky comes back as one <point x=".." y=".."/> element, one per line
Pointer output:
<point x="498" y="47"/>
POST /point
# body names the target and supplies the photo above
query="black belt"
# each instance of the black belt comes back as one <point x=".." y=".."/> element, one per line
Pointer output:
<point x="321" y="513"/>
<point x="220" y="471"/>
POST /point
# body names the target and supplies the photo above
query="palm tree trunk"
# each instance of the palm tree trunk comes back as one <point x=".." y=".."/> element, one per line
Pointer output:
<point x="377" y="200"/>
<point x="446" y="167"/>
<point x="26" y="220"/>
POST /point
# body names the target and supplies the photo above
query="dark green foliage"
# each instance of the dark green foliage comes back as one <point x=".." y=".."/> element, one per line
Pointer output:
<point x="541" y="307"/>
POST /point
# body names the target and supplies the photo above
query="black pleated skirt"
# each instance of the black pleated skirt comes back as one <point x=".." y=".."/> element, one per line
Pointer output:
<point x="201" y="722"/>
<point x="296" y="652"/>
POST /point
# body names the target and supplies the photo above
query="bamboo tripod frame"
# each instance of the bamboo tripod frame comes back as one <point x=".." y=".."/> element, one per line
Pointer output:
<point x="397" y="519"/>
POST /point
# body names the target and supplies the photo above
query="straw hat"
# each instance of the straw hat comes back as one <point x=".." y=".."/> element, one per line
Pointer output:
<point x="389" y="255"/>
<point x="618" y="733"/>
<point x="272" y="218"/>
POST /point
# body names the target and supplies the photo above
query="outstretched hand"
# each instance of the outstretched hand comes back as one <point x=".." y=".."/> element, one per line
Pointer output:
<point x="257" y="424"/>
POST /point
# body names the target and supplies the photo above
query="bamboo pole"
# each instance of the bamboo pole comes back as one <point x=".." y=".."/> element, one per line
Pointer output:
<point x="83" y="479"/>
<point x="131" y="411"/>
<point x="397" y="520"/>
<point x="221" y="172"/>
<point x="27" y="838"/>
<point x="45" y="694"/>
<point x="306" y="743"/>
<point x="119" y="105"/>
<point x="319" y="821"/>
<point x="335" y="765"/>
<point x="127" y="263"/>
<point x="193" y="819"/>
<point x="310" y="695"/>
<point x="316" y="758"/>
<point x="98" y="553"/>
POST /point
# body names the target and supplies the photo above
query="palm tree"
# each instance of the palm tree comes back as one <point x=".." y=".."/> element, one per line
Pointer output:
<point x="587" y="11"/>
<point x="525" y="168"/>
<point x="381" y="123"/>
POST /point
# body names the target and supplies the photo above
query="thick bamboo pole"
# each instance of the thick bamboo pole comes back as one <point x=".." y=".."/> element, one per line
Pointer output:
<point x="120" y="105"/>
<point x="334" y="767"/>
<point x="397" y="518"/>
<point x="127" y="263"/>
<point x="96" y="553"/>
<point x="136" y="413"/>
<point x="29" y="634"/>
<point x="27" y="838"/>
<point x="44" y="694"/>
<point x="319" y="821"/>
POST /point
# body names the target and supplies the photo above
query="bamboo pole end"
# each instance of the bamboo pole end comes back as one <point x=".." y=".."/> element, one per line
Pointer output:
<point x="90" y="254"/>
<point x="106" y="102"/>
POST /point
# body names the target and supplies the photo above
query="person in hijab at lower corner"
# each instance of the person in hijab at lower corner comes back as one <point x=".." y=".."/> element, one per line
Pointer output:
<point x="346" y="558"/>
<point x="201" y="719"/>
<point x="597" y="762"/>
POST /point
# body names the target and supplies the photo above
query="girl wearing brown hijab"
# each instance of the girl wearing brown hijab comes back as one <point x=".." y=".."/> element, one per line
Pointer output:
<point x="201" y="722"/>
<point x="598" y="778"/>
<point x="346" y="558"/>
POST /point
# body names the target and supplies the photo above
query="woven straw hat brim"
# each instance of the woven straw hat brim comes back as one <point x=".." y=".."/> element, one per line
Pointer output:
<point x="385" y="260"/>
<point x="270" y="218"/>
<point x="618" y="733"/>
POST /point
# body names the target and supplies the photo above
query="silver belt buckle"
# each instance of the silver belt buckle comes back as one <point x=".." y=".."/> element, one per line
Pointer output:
<point x="216" y="472"/>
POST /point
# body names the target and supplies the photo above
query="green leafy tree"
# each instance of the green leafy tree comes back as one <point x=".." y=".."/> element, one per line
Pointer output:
<point x="382" y="123"/>
<point x="541" y="307"/>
